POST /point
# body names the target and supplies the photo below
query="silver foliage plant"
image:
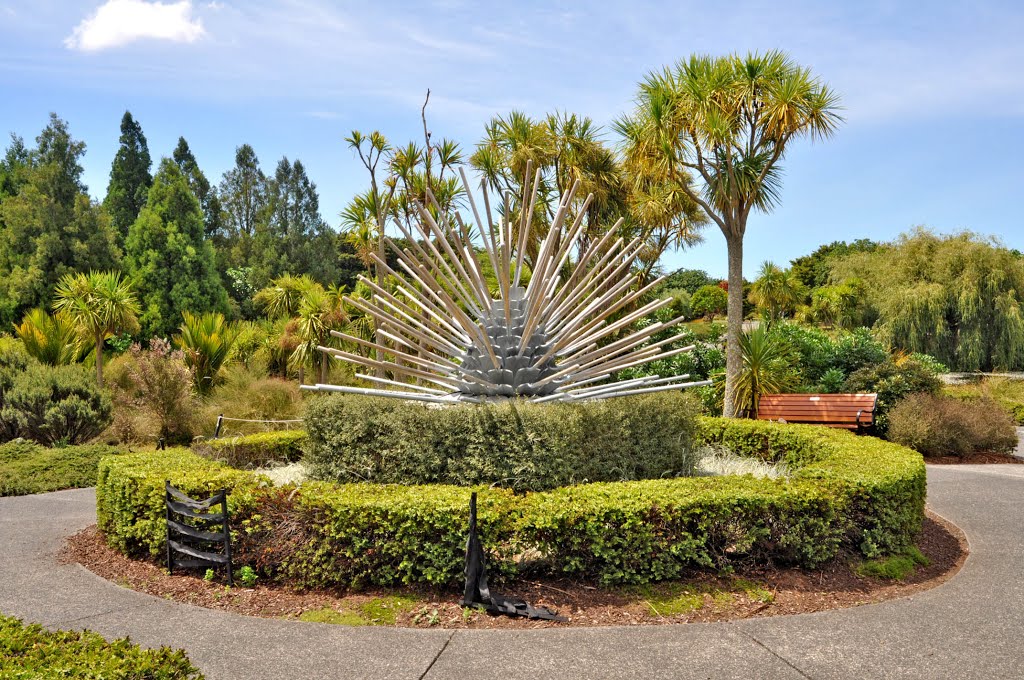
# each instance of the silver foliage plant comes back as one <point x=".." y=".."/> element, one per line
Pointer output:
<point x="549" y="339"/>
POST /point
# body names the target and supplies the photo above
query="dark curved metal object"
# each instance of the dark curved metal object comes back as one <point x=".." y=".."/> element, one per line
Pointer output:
<point x="478" y="595"/>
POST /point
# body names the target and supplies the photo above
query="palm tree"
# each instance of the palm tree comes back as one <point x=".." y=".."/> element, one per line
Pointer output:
<point x="776" y="291"/>
<point x="101" y="304"/>
<point x="727" y="122"/>
<point x="51" y="339"/>
<point x="319" y="313"/>
<point x="206" y="343"/>
<point x="767" y="368"/>
<point x="281" y="299"/>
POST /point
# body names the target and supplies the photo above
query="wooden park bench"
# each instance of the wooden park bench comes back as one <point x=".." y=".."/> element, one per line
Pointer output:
<point x="850" y="411"/>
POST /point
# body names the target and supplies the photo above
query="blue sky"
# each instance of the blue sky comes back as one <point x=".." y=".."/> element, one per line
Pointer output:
<point x="934" y="97"/>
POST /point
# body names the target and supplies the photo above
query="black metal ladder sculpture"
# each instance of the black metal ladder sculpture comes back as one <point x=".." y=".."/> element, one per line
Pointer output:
<point x="477" y="594"/>
<point x="192" y="534"/>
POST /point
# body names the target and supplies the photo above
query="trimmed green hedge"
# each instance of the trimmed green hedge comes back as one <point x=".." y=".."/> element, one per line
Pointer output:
<point x="851" y="492"/>
<point x="30" y="651"/>
<point x="256" y="450"/>
<point x="27" y="467"/>
<point x="130" y="494"/>
<point x="522" y="446"/>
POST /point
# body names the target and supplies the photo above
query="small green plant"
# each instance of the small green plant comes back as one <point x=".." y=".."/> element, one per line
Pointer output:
<point x="895" y="567"/>
<point x="247" y="576"/>
<point x="209" y="576"/>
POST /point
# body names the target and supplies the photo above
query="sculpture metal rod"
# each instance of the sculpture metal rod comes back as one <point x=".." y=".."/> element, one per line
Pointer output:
<point x="441" y="270"/>
<point x="583" y="339"/>
<point x="416" y="361"/>
<point x="484" y="297"/>
<point x="647" y="381"/>
<point x="476" y="213"/>
<point x="420" y="331"/>
<point x="415" y="318"/>
<point x="661" y="388"/>
<point x="437" y="377"/>
<point x="573" y="291"/>
<point x="365" y="391"/>
<point x="385" y="381"/>
<point x="607" y="277"/>
<point x="584" y="270"/>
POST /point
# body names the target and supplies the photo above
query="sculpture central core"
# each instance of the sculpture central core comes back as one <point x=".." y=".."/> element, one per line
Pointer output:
<point x="555" y="321"/>
<point x="519" y="373"/>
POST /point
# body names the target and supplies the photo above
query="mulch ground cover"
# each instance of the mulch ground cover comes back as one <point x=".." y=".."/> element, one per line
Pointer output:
<point x="977" y="459"/>
<point x="754" y="592"/>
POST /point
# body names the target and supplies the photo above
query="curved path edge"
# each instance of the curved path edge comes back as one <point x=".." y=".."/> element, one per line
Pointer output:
<point x="966" y="628"/>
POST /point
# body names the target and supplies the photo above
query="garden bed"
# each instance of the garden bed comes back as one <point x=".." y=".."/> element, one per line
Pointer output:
<point x="844" y="493"/>
<point x="750" y="592"/>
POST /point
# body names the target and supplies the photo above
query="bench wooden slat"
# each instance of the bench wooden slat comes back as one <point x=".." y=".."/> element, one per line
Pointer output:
<point x="849" y="411"/>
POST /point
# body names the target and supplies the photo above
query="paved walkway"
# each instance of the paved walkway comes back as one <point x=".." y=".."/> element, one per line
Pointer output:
<point x="966" y="628"/>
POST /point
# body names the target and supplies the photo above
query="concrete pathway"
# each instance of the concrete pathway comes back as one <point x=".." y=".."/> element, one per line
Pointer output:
<point x="966" y="628"/>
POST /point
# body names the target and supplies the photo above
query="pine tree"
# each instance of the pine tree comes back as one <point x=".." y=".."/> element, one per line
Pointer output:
<point x="129" y="176"/>
<point x="49" y="226"/>
<point x="169" y="258"/>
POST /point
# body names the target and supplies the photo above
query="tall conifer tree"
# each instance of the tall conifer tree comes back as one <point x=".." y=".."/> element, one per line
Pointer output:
<point x="49" y="226"/>
<point x="129" y="176"/>
<point x="200" y="186"/>
<point x="169" y="258"/>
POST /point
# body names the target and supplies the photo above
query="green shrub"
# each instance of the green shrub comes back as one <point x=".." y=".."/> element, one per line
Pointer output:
<point x="130" y="494"/>
<point x="55" y="405"/>
<point x="30" y="651"/>
<point x="519" y="446"/>
<point x="709" y="301"/>
<point x="860" y="493"/>
<point x="256" y="450"/>
<point x="27" y="467"/>
<point x="941" y="426"/>
<point x="893" y="380"/>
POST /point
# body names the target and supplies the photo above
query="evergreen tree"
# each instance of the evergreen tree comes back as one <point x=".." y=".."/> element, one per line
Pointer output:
<point x="129" y="176"/>
<point x="200" y="186"/>
<point x="297" y="240"/>
<point x="49" y="226"/>
<point x="243" y="193"/>
<point x="168" y="257"/>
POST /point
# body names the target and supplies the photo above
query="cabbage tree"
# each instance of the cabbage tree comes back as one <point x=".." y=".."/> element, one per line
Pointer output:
<point x="726" y="122"/>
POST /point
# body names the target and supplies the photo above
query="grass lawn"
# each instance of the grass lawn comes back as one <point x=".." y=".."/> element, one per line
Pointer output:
<point x="27" y="467"/>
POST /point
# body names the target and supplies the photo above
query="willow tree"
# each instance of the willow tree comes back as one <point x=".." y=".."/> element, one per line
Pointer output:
<point x="727" y="122"/>
<point x="959" y="298"/>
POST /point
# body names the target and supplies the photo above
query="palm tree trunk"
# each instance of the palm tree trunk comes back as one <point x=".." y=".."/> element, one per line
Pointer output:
<point x="99" y="360"/>
<point x="734" y="323"/>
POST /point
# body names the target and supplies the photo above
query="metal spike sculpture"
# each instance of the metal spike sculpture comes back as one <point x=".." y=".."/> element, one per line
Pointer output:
<point x="546" y="340"/>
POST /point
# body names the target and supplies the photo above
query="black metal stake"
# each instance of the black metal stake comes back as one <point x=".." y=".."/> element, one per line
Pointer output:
<point x="477" y="594"/>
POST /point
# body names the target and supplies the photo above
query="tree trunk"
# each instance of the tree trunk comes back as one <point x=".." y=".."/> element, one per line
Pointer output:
<point x="734" y="323"/>
<point x="99" y="360"/>
<point x="323" y="368"/>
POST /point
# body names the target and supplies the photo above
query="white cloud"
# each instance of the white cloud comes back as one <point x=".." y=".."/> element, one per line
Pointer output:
<point x="119" y="22"/>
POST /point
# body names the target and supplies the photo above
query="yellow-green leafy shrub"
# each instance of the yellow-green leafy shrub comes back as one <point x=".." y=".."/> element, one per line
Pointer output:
<point x="31" y="651"/>
<point x="256" y="450"/>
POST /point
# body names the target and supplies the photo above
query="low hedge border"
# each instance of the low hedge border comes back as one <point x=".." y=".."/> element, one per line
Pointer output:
<point x="845" y="491"/>
<point x="27" y="467"/>
<point x="255" y="450"/>
<point x="31" y="651"/>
